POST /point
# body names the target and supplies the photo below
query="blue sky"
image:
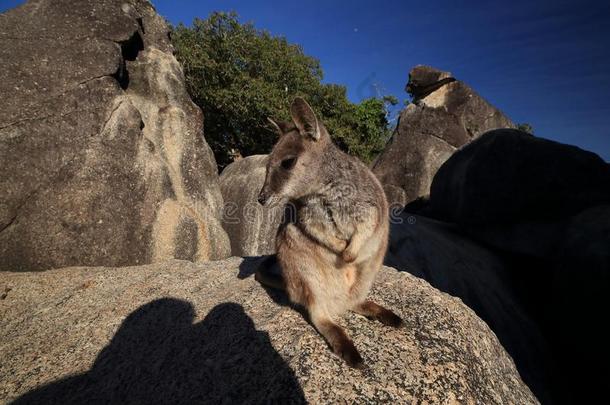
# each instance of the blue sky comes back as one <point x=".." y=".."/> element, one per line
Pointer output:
<point x="544" y="62"/>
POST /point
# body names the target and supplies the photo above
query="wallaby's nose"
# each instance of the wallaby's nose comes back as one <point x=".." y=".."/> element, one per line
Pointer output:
<point x="262" y="199"/>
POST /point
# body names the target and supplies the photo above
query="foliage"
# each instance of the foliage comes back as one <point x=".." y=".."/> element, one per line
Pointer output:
<point x="525" y="127"/>
<point x="240" y="75"/>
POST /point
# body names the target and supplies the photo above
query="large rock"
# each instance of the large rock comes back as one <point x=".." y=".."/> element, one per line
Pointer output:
<point x="81" y="335"/>
<point x="451" y="262"/>
<point x="577" y="304"/>
<point x="507" y="176"/>
<point x="445" y="115"/>
<point x="546" y="207"/>
<point x="101" y="148"/>
<point x="251" y="227"/>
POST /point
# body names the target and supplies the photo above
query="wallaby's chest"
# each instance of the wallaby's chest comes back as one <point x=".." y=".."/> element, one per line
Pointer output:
<point x="335" y="219"/>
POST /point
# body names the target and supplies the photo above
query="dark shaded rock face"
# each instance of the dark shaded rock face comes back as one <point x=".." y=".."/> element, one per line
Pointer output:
<point x="446" y="114"/>
<point x="101" y="148"/>
<point x="508" y="176"/>
<point x="251" y="227"/>
<point x="576" y="306"/>
<point x="546" y="207"/>
<point x="453" y="263"/>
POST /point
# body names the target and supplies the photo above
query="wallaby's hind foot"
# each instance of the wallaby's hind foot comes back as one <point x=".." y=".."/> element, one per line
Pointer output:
<point x="341" y="344"/>
<point x="375" y="311"/>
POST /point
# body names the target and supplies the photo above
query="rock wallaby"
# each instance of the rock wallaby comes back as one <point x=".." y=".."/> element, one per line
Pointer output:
<point x="332" y="248"/>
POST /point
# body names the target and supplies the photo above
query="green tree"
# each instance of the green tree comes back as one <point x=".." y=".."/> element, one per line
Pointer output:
<point x="240" y="75"/>
<point x="525" y="127"/>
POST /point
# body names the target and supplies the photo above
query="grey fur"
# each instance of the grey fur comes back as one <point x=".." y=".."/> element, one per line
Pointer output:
<point x="332" y="250"/>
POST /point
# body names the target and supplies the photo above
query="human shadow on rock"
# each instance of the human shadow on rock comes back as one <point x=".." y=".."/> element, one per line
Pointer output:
<point x="159" y="356"/>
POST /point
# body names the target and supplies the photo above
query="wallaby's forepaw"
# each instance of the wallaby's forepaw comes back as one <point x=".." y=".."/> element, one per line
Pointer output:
<point x="348" y="256"/>
<point x="348" y="352"/>
<point x="389" y="318"/>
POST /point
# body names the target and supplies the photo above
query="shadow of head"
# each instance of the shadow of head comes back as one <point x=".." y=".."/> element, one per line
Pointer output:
<point x="159" y="355"/>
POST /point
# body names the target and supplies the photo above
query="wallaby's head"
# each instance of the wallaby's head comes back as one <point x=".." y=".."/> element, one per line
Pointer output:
<point x="294" y="162"/>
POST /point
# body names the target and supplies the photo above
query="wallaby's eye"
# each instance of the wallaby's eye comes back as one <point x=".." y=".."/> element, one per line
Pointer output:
<point x="288" y="163"/>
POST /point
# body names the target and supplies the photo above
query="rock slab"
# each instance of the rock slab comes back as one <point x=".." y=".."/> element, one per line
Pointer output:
<point x="250" y="226"/>
<point x="185" y="332"/>
<point x="445" y="115"/>
<point x="546" y="207"/>
<point x="101" y="148"/>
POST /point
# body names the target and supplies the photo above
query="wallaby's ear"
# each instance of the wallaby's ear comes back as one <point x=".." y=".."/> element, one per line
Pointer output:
<point x="281" y="127"/>
<point x="305" y="119"/>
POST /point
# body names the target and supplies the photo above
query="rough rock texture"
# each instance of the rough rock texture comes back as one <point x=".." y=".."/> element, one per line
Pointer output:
<point x="445" y="115"/>
<point x="101" y="148"/>
<point x="424" y="80"/>
<point x="251" y="227"/>
<point x="508" y="176"/>
<point x="113" y="335"/>
<point x="453" y="263"/>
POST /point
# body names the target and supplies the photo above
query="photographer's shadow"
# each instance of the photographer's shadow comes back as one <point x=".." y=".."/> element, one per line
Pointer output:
<point x="159" y="356"/>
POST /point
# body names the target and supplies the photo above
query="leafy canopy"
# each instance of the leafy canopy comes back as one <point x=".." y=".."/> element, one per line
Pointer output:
<point x="525" y="127"/>
<point x="240" y="75"/>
